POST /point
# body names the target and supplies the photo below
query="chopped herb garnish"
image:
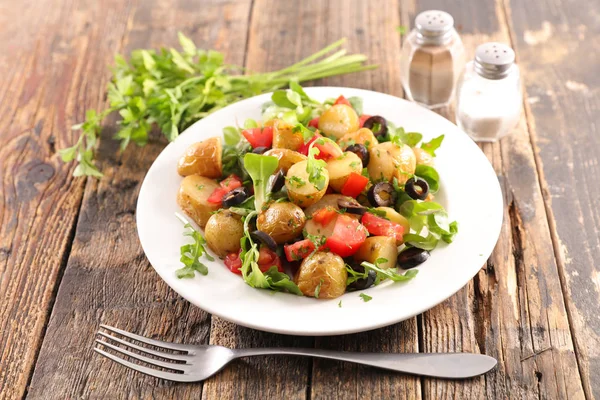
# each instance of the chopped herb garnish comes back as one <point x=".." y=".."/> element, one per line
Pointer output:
<point x="318" y="289"/>
<point x="191" y="253"/>
<point x="366" y="298"/>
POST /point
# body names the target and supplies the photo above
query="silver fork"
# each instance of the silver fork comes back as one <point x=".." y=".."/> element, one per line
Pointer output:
<point x="193" y="363"/>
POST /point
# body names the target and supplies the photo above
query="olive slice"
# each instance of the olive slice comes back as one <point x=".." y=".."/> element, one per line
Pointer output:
<point x="411" y="257"/>
<point x="276" y="181"/>
<point x="377" y="120"/>
<point x="361" y="151"/>
<point x="417" y="188"/>
<point x="264" y="238"/>
<point x="259" y="150"/>
<point x="235" y="197"/>
<point x="382" y="194"/>
<point x="363" y="283"/>
<point x="352" y="206"/>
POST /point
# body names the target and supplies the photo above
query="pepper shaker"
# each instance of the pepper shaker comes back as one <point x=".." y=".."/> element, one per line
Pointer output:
<point x="489" y="98"/>
<point x="432" y="59"/>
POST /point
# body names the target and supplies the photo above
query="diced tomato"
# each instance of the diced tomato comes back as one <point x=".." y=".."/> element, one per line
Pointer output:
<point x="216" y="197"/>
<point x="362" y="119"/>
<point x="355" y="184"/>
<point x="342" y="100"/>
<point x="325" y="215"/>
<point x="227" y="185"/>
<point x="347" y="237"/>
<point x="327" y="151"/>
<point x="314" y="122"/>
<point x="382" y="227"/>
<point x="267" y="259"/>
<point x="259" y="137"/>
<point x="299" y="250"/>
<point x="234" y="262"/>
<point x="304" y="148"/>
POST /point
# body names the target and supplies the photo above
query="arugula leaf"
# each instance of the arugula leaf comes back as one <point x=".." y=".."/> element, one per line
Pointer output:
<point x="356" y="103"/>
<point x="231" y="135"/>
<point x="428" y="242"/>
<point x="191" y="253"/>
<point x="366" y="298"/>
<point x="280" y="98"/>
<point x="414" y="207"/>
<point x="430" y="175"/>
<point x="314" y="168"/>
<point x="452" y="231"/>
<point x="431" y="146"/>
<point x="281" y="281"/>
<point x="260" y="168"/>
<point x="390" y="273"/>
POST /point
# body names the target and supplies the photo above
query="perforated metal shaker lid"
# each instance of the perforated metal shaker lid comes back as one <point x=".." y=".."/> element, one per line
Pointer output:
<point x="494" y="60"/>
<point x="434" y="26"/>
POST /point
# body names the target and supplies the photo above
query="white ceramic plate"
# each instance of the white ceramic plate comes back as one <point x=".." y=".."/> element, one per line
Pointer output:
<point x="469" y="191"/>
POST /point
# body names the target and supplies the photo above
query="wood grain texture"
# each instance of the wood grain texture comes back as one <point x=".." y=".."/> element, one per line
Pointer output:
<point x="557" y="45"/>
<point x="515" y="305"/>
<point x="108" y="279"/>
<point x="43" y="89"/>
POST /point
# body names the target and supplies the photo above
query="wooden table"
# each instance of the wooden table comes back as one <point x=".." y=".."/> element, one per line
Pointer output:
<point x="70" y="258"/>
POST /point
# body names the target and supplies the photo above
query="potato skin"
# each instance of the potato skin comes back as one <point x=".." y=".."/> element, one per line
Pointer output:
<point x="378" y="247"/>
<point x="284" y="137"/>
<point x="282" y="221"/>
<point x="326" y="269"/>
<point x="422" y="157"/>
<point x="340" y="169"/>
<point x="192" y="198"/>
<point x="304" y="193"/>
<point x="286" y="158"/>
<point x="389" y="161"/>
<point x="202" y="158"/>
<point x="223" y="232"/>
<point x="362" y="136"/>
<point x="338" y="120"/>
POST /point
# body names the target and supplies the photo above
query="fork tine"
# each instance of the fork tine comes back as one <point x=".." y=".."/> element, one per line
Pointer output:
<point x="158" y="343"/>
<point x="145" y="370"/>
<point x="168" y="356"/>
<point x="158" y="363"/>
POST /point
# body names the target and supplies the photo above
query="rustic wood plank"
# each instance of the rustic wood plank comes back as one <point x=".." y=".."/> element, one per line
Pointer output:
<point x="108" y="279"/>
<point x="44" y="64"/>
<point x="515" y="305"/>
<point x="557" y="44"/>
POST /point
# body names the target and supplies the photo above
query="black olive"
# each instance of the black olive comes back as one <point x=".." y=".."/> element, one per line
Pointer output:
<point x="235" y="197"/>
<point x="259" y="150"/>
<point x="352" y="206"/>
<point x="382" y="194"/>
<point x="363" y="283"/>
<point x="377" y="120"/>
<point x="361" y="151"/>
<point x="417" y="188"/>
<point x="277" y="181"/>
<point x="264" y="238"/>
<point x="411" y="257"/>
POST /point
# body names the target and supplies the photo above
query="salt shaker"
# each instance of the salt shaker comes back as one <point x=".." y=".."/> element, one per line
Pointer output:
<point x="432" y="59"/>
<point x="489" y="98"/>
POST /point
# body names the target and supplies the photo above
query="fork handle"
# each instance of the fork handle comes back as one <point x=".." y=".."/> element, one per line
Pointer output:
<point x="438" y="365"/>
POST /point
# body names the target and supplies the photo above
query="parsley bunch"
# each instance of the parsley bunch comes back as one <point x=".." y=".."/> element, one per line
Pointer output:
<point x="173" y="89"/>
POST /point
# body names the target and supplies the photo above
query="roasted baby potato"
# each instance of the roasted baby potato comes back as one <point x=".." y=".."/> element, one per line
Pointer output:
<point x="193" y="198"/>
<point x="286" y="158"/>
<point x="282" y="221"/>
<point x="423" y="157"/>
<point x="316" y="229"/>
<point x="202" y="158"/>
<point x="340" y="169"/>
<point x="338" y="120"/>
<point x="300" y="190"/>
<point x="396" y="217"/>
<point x="223" y="232"/>
<point x="389" y="161"/>
<point x="378" y="247"/>
<point x="284" y="136"/>
<point x="329" y="200"/>
<point x="362" y="136"/>
<point x="325" y="271"/>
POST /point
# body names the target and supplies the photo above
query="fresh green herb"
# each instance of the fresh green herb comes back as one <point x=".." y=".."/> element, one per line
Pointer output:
<point x="191" y="253"/>
<point x="307" y="134"/>
<point x="250" y="124"/>
<point x="430" y="175"/>
<point x="414" y="207"/>
<point x="366" y="298"/>
<point x="390" y="273"/>
<point x="340" y="304"/>
<point x="356" y="103"/>
<point x="318" y="288"/>
<point x="315" y="167"/>
<point x="379" y="213"/>
<point x="231" y="135"/>
<point x="428" y="242"/>
<point x="174" y="88"/>
<point x="401" y="29"/>
<point x="431" y="146"/>
<point x="296" y="181"/>
<point x="260" y="168"/>
<point x="199" y="187"/>
<point x="354" y="164"/>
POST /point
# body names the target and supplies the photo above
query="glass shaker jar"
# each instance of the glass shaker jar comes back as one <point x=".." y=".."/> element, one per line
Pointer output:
<point x="489" y="98"/>
<point x="432" y="59"/>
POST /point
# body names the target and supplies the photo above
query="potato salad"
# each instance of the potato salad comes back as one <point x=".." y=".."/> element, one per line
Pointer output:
<point x="316" y="199"/>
